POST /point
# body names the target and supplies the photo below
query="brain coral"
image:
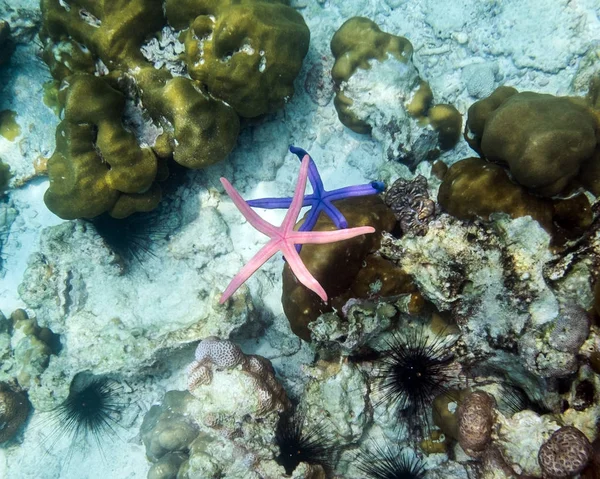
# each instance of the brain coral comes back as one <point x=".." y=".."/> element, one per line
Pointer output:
<point x="565" y="454"/>
<point x="475" y="421"/>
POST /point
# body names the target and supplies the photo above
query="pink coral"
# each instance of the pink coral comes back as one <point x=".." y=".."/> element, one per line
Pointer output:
<point x="222" y="354"/>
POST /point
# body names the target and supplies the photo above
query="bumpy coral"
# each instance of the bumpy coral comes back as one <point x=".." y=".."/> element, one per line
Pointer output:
<point x="565" y="454"/>
<point x="246" y="55"/>
<point x="14" y="408"/>
<point x="371" y="67"/>
<point x="97" y="165"/>
<point x="475" y="421"/>
<point x="25" y="348"/>
<point x="226" y="427"/>
<point x="546" y="141"/>
<point x="571" y="328"/>
<point x="169" y="428"/>
<point x="473" y="188"/>
<point x="258" y="376"/>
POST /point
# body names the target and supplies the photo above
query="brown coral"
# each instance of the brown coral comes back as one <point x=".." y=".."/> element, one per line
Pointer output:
<point x="475" y="421"/>
<point x="545" y="141"/>
<point x="565" y="454"/>
<point x="14" y="408"/>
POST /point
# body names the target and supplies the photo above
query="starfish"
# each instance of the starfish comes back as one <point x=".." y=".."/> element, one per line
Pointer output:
<point x="284" y="238"/>
<point x="320" y="199"/>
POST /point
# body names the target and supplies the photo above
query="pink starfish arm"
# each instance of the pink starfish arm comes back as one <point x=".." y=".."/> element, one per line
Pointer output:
<point x="301" y="272"/>
<point x="248" y="270"/>
<point x="261" y="225"/>
<point x="322" y="237"/>
<point x="292" y="214"/>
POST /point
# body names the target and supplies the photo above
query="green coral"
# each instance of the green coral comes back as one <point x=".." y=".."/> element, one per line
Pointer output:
<point x="97" y="165"/>
<point x="96" y="45"/>
<point x="247" y="53"/>
<point x="358" y="43"/>
<point x="473" y="188"/>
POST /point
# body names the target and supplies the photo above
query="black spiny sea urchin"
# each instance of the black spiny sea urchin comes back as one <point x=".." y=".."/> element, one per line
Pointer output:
<point x="300" y="443"/>
<point x="385" y="463"/>
<point x="414" y="370"/>
<point x="91" y="408"/>
<point x="132" y="237"/>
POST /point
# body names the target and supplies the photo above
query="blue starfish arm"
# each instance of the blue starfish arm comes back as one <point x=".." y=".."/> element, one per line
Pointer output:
<point x="356" y="190"/>
<point x="311" y="218"/>
<point x="313" y="174"/>
<point x="336" y="215"/>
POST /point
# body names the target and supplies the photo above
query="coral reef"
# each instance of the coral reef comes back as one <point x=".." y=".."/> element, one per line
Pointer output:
<point x="256" y="378"/>
<point x="371" y="67"/>
<point x="362" y="268"/>
<point x="242" y="60"/>
<point x="70" y="282"/>
<point x="285" y="238"/>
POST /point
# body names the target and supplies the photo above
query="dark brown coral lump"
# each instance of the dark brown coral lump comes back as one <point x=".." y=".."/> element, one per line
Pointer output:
<point x="475" y="421"/>
<point x="565" y="454"/>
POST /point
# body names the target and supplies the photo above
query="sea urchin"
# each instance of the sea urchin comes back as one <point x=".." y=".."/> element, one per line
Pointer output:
<point x="414" y="370"/>
<point x="91" y="408"/>
<point x="385" y="463"/>
<point x="299" y="443"/>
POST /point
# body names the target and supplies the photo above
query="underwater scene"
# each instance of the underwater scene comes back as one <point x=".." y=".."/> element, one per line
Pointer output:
<point x="306" y="239"/>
